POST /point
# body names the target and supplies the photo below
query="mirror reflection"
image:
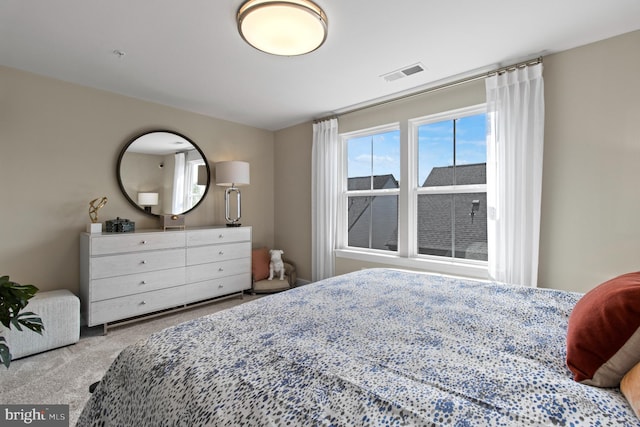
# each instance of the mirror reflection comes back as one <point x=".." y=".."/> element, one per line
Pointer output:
<point x="163" y="173"/>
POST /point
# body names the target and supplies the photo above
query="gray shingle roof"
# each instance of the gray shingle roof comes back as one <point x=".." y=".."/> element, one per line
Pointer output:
<point x="473" y="173"/>
<point x="435" y="226"/>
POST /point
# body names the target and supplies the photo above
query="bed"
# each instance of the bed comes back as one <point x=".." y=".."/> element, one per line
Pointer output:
<point x="369" y="348"/>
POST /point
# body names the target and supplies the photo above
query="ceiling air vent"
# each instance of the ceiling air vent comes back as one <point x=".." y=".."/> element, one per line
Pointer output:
<point x="404" y="72"/>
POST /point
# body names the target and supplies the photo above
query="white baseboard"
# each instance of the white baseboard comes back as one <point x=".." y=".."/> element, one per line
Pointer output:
<point x="300" y="282"/>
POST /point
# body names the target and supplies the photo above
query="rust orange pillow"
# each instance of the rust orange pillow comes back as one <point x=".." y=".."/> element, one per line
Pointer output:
<point x="603" y="335"/>
<point x="260" y="263"/>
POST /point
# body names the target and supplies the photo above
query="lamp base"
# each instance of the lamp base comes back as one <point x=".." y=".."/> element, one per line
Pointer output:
<point x="233" y="224"/>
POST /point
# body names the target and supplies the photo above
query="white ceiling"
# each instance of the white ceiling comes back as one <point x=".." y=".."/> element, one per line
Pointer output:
<point x="188" y="54"/>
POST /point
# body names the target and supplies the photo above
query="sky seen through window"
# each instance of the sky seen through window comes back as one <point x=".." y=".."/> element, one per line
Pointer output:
<point x="379" y="154"/>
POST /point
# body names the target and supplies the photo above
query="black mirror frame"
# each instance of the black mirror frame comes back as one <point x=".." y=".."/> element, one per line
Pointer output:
<point x="131" y="141"/>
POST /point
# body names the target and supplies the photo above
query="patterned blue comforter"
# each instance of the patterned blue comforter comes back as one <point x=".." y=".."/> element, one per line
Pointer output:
<point x="375" y="347"/>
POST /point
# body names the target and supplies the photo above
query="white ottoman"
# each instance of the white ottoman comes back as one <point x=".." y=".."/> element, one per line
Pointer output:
<point x="60" y="314"/>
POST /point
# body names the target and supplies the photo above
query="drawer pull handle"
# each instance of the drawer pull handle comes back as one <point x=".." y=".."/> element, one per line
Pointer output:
<point x="221" y="236"/>
<point x="144" y="282"/>
<point x="144" y="242"/>
<point x="220" y="286"/>
<point x="143" y="302"/>
<point x="221" y="253"/>
<point x="220" y="269"/>
<point x="143" y="262"/>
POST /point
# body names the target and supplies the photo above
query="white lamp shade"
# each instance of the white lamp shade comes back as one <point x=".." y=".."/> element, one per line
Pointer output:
<point x="232" y="172"/>
<point x="147" y="199"/>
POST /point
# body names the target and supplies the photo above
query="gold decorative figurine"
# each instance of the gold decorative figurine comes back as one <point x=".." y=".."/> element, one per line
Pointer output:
<point x="94" y="206"/>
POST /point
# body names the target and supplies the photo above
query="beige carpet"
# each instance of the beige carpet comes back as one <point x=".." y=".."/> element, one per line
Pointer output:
<point x="63" y="376"/>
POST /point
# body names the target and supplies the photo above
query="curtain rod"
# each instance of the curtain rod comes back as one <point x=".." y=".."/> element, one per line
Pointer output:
<point x="458" y="82"/>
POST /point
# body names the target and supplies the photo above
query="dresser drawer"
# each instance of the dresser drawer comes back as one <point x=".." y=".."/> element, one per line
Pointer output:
<point x="118" y="243"/>
<point x="117" y="265"/>
<point x="135" y="305"/>
<point x="218" y="235"/>
<point x="197" y="273"/>
<point x="205" y="254"/>
<point x="112" y="287"/>
<point x="217" y="287"/>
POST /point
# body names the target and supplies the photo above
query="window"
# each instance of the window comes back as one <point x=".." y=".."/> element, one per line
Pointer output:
<point x="437" y="217"/>
<point x="451" y="187"/>
<point x="194" y="189"/>
<point x="187" y="191"/>
<point x="372" y="188"/>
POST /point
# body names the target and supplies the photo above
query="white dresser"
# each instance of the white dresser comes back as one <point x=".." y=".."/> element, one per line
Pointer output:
<point x="125" y="275"/>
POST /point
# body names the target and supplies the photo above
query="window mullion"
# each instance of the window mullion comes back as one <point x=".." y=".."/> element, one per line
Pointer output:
<point x="378" y="192"/>
<point x="453" y="199"/>
<point x="455" y="189"/>
<point x="342" y="222"/>
<point x="410" y="161"/>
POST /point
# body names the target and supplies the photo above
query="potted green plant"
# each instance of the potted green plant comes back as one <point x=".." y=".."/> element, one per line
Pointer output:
<point x="13" y="298"/>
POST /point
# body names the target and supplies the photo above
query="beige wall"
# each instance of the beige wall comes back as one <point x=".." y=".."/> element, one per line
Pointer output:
<point x="293" y="196"/>
<point x="418" y="106"/>
<point x="590" y="198"/>
<point x="59" y="145"/>
<point x="590" y="203"/>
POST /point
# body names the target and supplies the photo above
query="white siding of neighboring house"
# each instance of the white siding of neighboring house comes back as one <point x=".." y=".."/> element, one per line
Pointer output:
<point x="385" y="221"/>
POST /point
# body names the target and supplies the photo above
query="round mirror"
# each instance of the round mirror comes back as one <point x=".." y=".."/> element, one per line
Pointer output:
<point x="163" y="173"/>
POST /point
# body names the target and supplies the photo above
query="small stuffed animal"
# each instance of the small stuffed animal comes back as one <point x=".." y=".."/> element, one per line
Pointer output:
<point x="276" y="265"/>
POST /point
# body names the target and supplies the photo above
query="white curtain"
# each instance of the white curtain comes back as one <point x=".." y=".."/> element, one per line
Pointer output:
<point x="515" y="111"/>
<point x="324" y="198"/>
<point x="177" y="199"/>
<point x="192" y="160"/>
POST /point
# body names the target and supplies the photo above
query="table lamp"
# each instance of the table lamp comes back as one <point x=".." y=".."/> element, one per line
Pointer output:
<point x="232" y="174"/>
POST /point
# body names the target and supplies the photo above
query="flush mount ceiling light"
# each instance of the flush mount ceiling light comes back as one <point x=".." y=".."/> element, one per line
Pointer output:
<point x="287" y="28"/>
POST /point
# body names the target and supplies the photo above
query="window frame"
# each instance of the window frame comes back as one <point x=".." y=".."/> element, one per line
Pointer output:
<point x="191" y="180"/>
<point x="417" y="190"/>
<point x="407" y="255"/>
<point x="342" y="239"/>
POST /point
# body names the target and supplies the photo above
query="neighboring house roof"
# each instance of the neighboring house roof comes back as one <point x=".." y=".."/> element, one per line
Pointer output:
<point x="435" y="210"/>
<point x="379" y="181"/>
<point x="434" y="223"/>
<point x="473" y="173"/>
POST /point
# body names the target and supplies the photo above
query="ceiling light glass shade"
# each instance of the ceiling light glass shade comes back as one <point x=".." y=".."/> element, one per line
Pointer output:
<point x="287" y="28"/>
